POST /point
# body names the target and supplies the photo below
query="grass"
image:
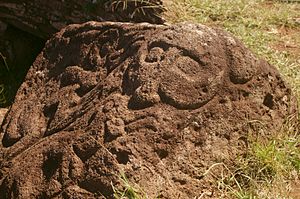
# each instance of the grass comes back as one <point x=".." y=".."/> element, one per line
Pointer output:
<point x="267" y="170"/>
<point x="140" y="6"/>
<point x="130" y="191"/>
<point x="133" y="6"/>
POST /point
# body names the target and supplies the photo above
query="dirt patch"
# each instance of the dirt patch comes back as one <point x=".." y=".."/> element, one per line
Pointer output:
<point x="160" y="103"/>
<point x="295" y="190"/>
<point x="289" y="41"/>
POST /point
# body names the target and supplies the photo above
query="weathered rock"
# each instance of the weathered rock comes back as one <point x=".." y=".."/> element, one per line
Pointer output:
<point x="161" y="103"/>
<point x="26" y="25"/>
<point x="2" y="114"/>
<point x="43" y="18"/>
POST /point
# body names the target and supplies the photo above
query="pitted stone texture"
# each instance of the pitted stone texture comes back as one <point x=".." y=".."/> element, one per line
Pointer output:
<point x="160" y="103"/>
<point x="3" y="111"/>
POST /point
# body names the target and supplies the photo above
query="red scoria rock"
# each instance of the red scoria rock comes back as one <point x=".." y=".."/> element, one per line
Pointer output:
<point x="159" y="103"/>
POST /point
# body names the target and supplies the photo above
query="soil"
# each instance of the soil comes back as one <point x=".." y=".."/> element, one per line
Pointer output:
<point x="295" y="189"/>
<point x="289" y="44"/>
<point x="161" y="104"/>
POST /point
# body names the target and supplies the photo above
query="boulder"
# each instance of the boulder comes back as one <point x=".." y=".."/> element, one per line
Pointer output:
<point x="3" y="111"/>
<point x="43" y="18"/>
<point x="160" y="104"/>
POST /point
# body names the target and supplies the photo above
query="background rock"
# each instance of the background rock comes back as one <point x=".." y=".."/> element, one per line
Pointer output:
<point x="43" y="18"/>
<point x="18" y="51"/>
<point x="160" y="103"/>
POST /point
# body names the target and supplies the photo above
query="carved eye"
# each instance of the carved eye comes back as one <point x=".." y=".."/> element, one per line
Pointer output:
<point x="186" y="83"/>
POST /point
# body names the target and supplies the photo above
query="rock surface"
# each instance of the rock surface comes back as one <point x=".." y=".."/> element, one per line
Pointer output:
<point x="26" y="25"/>
<point x="3" y="111"/>
<point x="159" y="103"/>
<point x="43" y="18"/>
